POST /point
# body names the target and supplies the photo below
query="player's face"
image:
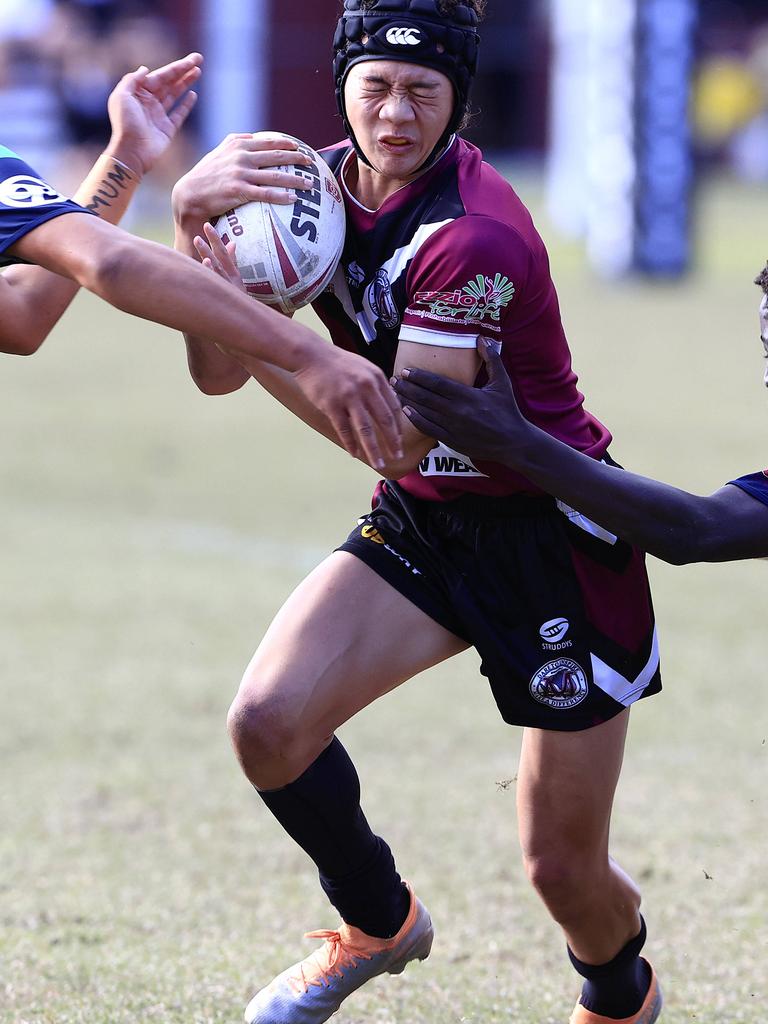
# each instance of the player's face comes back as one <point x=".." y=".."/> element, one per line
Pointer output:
<point x="398" y="113"/>
<point x="764" y="329"/>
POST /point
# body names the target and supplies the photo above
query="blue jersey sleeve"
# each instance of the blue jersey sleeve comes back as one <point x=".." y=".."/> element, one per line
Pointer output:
<point x="755" y="484"/>
<point x="26" y="202"/>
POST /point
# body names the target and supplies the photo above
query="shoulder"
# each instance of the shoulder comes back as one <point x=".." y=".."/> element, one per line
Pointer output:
<point x="477" y="237"/>
<point x="334" y="155"/>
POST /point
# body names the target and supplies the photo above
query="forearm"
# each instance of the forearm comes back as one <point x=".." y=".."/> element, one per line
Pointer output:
<point x="40" y="298"/>
<point x="147" y="283"/>
<point x="666" y="522"/>
<point x="154" y="282"/>
<point x="283" y="386"/>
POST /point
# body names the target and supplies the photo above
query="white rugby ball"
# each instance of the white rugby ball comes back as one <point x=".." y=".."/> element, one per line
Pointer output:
<point x="287" y="255"/>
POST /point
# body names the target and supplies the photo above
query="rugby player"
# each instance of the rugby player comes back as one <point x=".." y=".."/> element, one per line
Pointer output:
<point x="70" y="247"/>
<point x="454" y="553"/>
<point x="669" y="523"/>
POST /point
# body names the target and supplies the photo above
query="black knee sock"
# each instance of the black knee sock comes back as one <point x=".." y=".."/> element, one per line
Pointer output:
<point x="321" y="812"/>
<point x="616" y="989"/>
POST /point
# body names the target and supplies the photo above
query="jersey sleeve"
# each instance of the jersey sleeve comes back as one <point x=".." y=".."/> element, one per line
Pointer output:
<point x="465" y="282"/>
<point x="26" y="202"/>
<point x="754" y="484"/>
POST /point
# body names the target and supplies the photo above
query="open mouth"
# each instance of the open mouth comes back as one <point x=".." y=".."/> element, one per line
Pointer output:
<point x="395" y="143"/>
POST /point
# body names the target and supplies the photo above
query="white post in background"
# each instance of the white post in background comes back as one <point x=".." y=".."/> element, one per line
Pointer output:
<point x="610" y="136"/>
<point x="592" y="171"/>
<point x="234" y="94"/>
<point x="567" y="158"/>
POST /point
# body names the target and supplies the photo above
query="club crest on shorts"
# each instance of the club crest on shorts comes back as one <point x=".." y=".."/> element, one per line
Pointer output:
<point x="560" y="684"/>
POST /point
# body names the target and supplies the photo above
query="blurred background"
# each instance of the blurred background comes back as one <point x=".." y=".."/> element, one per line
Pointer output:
<point x="622" y="104"/>
<point x="148" y="534"/>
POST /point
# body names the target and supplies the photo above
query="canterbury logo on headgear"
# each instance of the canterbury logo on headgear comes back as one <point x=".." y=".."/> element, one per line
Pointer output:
<point x="404" y="36"/>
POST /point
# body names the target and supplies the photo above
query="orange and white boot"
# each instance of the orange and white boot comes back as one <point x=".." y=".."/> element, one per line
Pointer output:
<point x="647" y="1014"/>
<point x="312" y="990"/>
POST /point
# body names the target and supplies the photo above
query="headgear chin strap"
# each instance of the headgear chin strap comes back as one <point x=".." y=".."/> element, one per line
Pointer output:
<point x="413" y="31"/>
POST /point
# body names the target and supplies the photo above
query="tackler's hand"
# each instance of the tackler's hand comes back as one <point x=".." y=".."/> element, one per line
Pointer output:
<point x="483" y="422"/>
<point x="147" y="109"/>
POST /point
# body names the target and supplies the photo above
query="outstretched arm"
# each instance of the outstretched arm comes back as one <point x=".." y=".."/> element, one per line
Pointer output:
<point x="146" y="111"/>
<point x="156" y="283"/>
<point x="669" y="523"/>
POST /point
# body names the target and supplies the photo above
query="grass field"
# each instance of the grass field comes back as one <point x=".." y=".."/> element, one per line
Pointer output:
<point x="149" y="534"/>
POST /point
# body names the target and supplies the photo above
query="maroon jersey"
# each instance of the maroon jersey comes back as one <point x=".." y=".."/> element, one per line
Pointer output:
<point x="447" y="258"/>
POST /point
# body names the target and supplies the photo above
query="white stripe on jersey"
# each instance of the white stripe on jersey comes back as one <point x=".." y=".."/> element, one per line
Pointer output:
<point x="395" y="267"/>
<point x="442" y="339"/>
<point x="400" y="258"/>
<point x="623" y="690"/>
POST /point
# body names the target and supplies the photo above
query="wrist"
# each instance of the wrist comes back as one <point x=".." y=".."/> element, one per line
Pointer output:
<point x="188" y="212"/>
<point x="126" y="158"/>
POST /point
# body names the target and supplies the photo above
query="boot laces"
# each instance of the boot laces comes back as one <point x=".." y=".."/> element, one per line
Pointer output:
<point x="327" y="962"/>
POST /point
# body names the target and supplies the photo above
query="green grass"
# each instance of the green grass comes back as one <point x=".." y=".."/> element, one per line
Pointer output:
<point x="149" y="534"/>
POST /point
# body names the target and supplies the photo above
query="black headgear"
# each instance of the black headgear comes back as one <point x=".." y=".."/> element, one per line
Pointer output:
<point x="413" y="31"/>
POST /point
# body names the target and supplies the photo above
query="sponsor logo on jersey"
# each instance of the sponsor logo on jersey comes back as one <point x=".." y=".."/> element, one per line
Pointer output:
<point x="22" y="191"/>
<point x="479" y="301"/>
<point x="355" y="274"/>
<point x="444" y="461"/>
<point x="403" y="36"/>
<point x="553" y="634"/>
<point x="381" y="301"/>
<point x="371" y="533"/>
<point x="559" y="684"/>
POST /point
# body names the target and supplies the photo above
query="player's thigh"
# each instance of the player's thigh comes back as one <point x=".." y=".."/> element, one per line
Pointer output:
<point x="566" y="786"/>
<point x="343" y="638"/>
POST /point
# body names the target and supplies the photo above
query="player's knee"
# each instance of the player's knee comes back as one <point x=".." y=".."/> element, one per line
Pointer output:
<point x="262" y="734"/>
<point x="563" y="878"/>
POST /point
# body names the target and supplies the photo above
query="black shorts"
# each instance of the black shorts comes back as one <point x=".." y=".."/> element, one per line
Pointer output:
<point x="559" y="611"/>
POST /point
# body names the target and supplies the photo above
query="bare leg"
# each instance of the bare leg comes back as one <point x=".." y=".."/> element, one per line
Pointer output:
<point x="566" y="787"/>
<point x="342" y="639"/>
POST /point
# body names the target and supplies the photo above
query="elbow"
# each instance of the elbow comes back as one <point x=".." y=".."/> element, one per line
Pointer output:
<point x="213" y="384"/>
<point x="100" y="270"/>
<point x="396" y="469"/>
<point x="695" y="540"/>
<point x="22" y="345"/>
<point x="212" y="388"/>
<point x="415" y="448"/>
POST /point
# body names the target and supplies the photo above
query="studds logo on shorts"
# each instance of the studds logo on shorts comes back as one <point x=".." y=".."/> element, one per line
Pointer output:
<point x="22" y="191"/>
<point x="553" y="633"/>
<point x="479" y="301"/>
<point x="560" y="684"/>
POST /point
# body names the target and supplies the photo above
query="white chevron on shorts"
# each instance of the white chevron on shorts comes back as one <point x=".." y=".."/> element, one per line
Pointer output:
<point x="623" y="690"/>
